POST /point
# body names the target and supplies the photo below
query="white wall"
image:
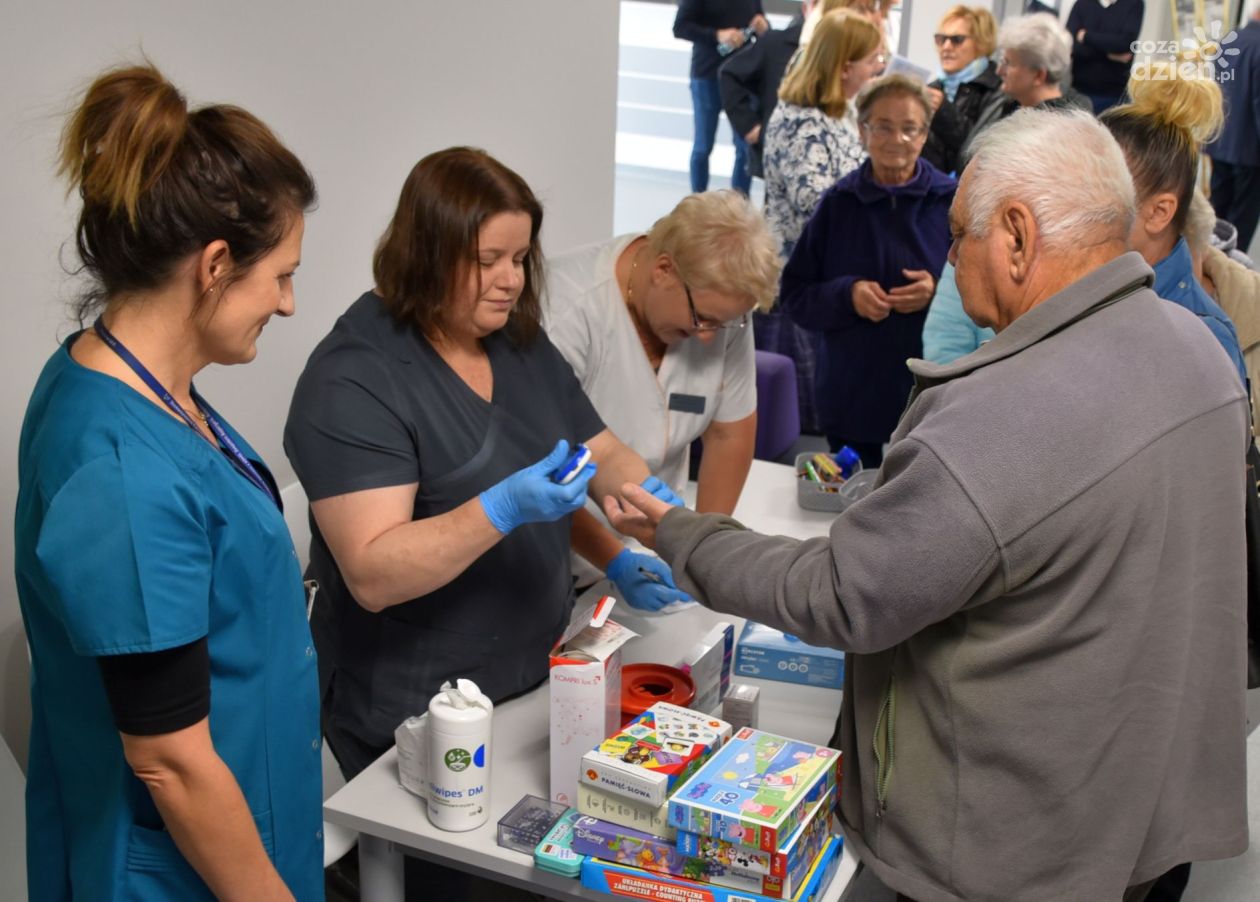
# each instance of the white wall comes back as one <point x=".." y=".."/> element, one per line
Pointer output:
<point x="359" y="92"/>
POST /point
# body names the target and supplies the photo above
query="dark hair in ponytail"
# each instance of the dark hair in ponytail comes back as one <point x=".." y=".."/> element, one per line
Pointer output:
<point x="159" y="183"/>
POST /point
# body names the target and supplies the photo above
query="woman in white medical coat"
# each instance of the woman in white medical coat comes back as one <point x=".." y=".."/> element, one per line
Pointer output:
<point x="656" y="326"/>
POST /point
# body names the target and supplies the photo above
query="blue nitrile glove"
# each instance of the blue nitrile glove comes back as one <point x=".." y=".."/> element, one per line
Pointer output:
<point x="659" y="490"/>
<point x="529" y="495"/>
<point x="644" y="581"/>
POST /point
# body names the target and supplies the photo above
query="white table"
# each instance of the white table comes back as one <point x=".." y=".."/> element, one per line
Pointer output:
<point x="391" y="820"/>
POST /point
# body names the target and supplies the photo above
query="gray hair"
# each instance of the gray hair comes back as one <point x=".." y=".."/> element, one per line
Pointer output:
<point x="1040" y="42"/>
<point x="895" y="85"/>
<point x="1065" y="166"/>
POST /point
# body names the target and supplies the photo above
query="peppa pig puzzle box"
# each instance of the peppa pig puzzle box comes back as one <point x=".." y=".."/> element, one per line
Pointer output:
<point x="780" y="872"/>
<point x="756" y="790"/>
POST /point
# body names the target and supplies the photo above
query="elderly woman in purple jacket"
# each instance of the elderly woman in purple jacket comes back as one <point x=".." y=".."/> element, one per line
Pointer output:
<point x="865" y="269"/>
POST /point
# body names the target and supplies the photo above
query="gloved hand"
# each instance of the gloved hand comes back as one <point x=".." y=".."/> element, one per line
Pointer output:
<point x="644" y="581"/>
<point x="658" y="489"/>
<point x="529" y="495"/>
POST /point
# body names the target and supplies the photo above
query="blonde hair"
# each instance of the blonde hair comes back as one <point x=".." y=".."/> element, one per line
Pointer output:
<point x="720" y="242"/>
<point x="980" y="23"/>
<point x="1200" y="223"/>
<point x="1163" y="128"/>
<point x="842" y="37"/>
<point x="824" y="7"/>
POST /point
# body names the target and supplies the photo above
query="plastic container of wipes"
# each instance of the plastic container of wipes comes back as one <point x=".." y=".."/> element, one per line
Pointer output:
<point x="459" y="757"/>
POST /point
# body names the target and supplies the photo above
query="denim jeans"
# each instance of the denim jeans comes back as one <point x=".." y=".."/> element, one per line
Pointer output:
<point x="706" y="103"/>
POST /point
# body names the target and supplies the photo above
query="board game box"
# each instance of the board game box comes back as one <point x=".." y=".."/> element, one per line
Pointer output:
<point x="782" y="870"/>
<point x="754" y="791"/>
<point x="608" y="806"/>
<point x="654" y="752"/>
<point x="636" y="883"/>
<point x="709" y="860"/>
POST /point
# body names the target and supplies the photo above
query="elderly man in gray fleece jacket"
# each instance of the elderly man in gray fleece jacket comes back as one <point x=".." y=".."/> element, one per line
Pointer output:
<point x="1044" y="596"/>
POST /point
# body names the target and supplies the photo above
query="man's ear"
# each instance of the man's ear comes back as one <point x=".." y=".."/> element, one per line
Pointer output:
<point x="213" y="265"/>
<point x="1019" y="233"/>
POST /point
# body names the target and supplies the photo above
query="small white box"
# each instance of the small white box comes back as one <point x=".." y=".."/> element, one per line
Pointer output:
<point x="585" y="688"/>
<point x="708" y="662"/>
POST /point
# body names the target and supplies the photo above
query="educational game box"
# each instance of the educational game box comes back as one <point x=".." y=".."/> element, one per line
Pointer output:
<point x="782" y="871"/>
<point x="754" y="791"/>
<point x="654" y="752"/>
<point x="608" y="806"/>
<point x="636" y="883"/>
<point x="709" y="860"/>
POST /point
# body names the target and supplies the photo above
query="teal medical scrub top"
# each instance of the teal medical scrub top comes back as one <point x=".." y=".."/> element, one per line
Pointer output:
<point x="134" y="534"/>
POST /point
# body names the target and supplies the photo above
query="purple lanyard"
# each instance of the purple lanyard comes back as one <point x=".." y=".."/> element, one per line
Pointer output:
<point x="231" y="449"/>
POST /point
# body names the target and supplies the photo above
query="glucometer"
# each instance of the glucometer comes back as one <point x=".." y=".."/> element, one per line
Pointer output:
<point x="567" y="471"/>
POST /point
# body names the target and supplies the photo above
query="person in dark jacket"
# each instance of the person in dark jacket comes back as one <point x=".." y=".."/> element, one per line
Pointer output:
<point x="749" y="83"/>
<point x="1034" y="53"/>
<point x="968" y="80"/>
<point x="1236" y="153"/>
<point x="715" y="28"/>
<point x="1101" y="56"/>
<point x="865" y="269"/>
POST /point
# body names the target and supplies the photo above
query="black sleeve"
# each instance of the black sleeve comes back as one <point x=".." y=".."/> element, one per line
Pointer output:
<point x="687" y="25"/>
<point x="158" y="692"/>
<point x="739" y="80"/>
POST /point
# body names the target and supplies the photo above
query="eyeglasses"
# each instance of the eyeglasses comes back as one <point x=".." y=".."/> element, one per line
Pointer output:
<point x="956" y="39"/>
<point x="708" y="325"/>
<point x="885" y="130"/>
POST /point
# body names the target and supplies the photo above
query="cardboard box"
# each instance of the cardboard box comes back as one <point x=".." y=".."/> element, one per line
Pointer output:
<point x="608" y="806"/>
<point x="708" y="860"/>
<point x="780" y="872"/>
<point x="585" y="689"/>
<point x="756" y="790"/>
<point x="708" y="662"/>
<point x="636" y="883"/>
<point x="653" y="753"/>
<point x="769" y="654"/>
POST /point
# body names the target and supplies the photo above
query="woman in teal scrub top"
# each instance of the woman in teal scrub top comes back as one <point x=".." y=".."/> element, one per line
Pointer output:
<point x="175" y="748"/>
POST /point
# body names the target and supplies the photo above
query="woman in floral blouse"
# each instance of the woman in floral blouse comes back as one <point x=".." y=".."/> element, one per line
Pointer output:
<point x="811" y="142"/>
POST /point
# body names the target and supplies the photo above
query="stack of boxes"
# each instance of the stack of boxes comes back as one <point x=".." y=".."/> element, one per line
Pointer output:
<point x="667" y="806"/>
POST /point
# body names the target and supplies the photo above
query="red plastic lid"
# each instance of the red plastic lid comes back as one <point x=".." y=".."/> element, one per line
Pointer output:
<point x="643" y="685"/>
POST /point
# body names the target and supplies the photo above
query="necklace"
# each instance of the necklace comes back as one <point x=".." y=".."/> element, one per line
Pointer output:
<point x="652" y="346"/>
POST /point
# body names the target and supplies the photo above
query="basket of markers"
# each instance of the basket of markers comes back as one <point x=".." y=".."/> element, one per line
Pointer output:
<point x="826" y="482"/>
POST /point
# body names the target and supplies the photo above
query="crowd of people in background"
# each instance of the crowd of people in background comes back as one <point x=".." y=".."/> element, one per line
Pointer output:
<point x="907" y="228"/>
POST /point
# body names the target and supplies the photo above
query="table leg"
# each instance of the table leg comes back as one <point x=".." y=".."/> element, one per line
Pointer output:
<point x="380" y="870"/>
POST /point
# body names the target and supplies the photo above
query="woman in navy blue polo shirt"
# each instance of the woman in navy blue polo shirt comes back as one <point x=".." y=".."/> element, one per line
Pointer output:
<point x="175" y="750"/>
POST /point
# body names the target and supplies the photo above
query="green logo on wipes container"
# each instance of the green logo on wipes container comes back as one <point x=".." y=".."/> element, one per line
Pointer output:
<point x="457" y="760"/>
